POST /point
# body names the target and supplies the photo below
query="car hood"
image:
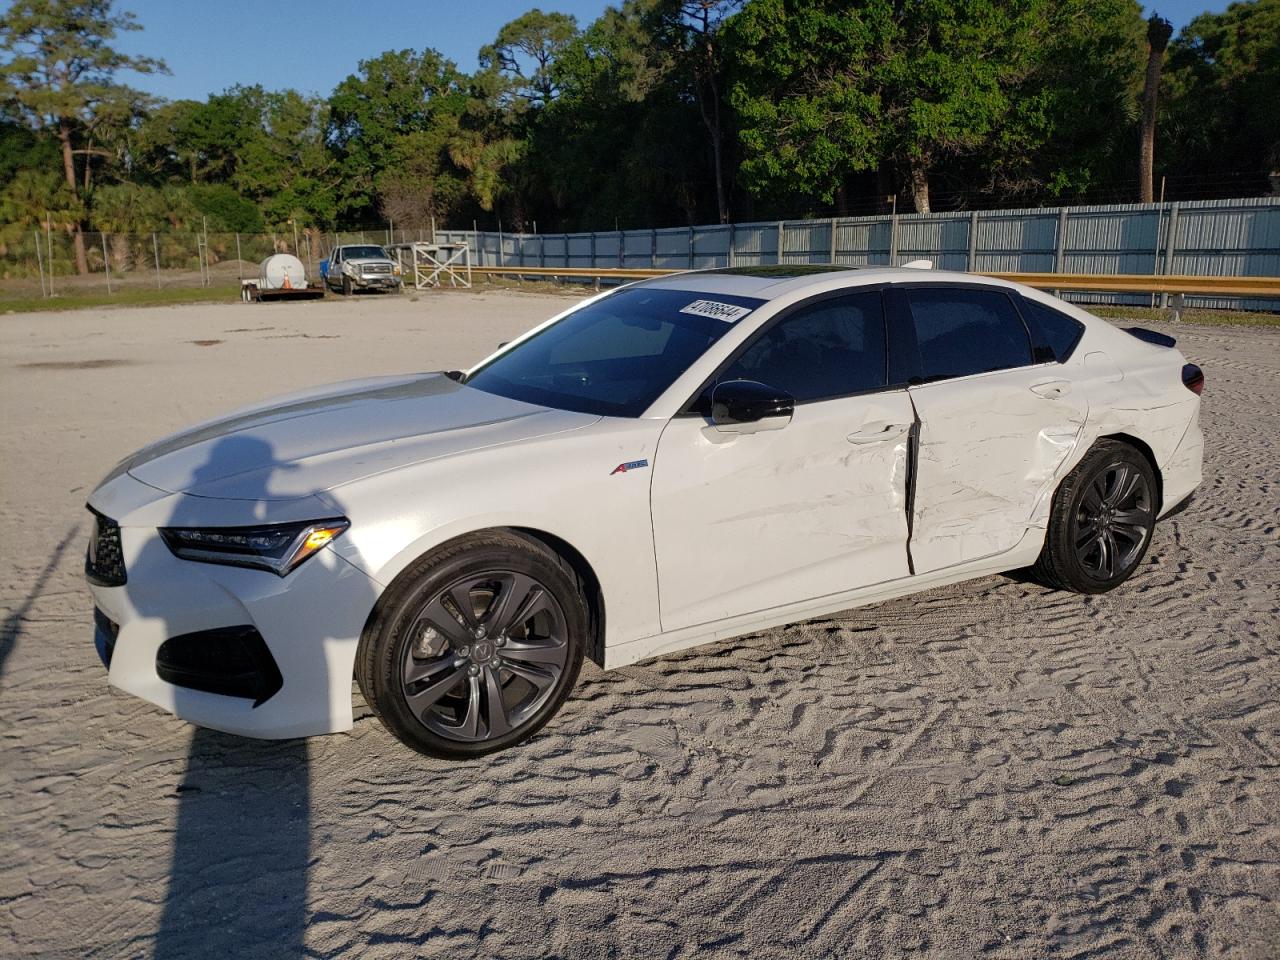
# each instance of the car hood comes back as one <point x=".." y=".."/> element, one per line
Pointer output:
<point x="305" y="443"/>
<point x="368" y="261"/>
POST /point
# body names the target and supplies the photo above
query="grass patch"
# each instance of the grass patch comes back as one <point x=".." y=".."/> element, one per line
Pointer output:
<point x="127" y="297"/>
<point x="1213" y="318"/>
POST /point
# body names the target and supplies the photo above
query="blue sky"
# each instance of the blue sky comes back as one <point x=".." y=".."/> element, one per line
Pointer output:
<point x="210" y="46"/>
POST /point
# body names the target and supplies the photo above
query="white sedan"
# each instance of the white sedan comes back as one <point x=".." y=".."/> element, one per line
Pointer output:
<point x="671" y="463"/>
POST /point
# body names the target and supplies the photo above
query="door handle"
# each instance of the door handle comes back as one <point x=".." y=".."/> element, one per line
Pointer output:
<point x="877" y="432"/>
<point x="1051" y="389"/>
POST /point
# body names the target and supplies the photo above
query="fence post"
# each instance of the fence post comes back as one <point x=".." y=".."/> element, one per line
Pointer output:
<point x="971" y="263"/>
<point x="691" y="248"/>
<point x="48" y="249"/>
<point x="239" y="261"/>
<point x="593" y="251"/>
<point x="39" y="262"/>
<point x="106" y="262"/>
<point x="733" y="232"/>
<point x="542" y="250"/>
<point x="622" y="242"/>
<point x="831" y="257"/>
<point x="155" y="249"/>
<point x="653" y="247"/>
<point x="1170" y="244"/>
<point x="1060" y="254"/>
<point x="781" y="241"/>
<point x="893" y="239"/>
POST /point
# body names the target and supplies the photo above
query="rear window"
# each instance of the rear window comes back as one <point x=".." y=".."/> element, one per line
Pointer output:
<point x="963" y="332"/>
<point x="1057" y="331"/>
<point x="615" y="356"/>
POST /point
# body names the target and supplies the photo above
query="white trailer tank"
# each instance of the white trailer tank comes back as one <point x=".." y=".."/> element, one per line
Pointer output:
<point x="283" y="271"/>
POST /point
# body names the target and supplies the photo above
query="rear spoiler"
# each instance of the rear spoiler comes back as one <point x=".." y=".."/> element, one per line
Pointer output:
<point x="1150" y="336"/>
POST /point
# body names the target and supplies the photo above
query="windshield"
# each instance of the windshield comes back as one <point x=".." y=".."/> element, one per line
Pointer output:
<point x="615" y="356"/>
<point x="356" y="253"/>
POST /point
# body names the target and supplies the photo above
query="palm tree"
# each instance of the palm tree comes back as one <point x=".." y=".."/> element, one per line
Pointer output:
<point x="1159" y="30"/>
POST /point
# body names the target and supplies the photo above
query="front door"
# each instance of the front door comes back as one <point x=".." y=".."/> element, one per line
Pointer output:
<point x="747" y="522"/>
<point x="995" y="428"/>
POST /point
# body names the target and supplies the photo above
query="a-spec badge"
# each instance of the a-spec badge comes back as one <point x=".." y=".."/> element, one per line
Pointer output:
<point x="728" y="312"/>
<point x="633" y="465"/>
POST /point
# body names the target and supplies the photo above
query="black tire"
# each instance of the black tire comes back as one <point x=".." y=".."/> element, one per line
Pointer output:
<point x="347" y="289"/>
<point x="1100" y="522"/>
<point x="395" y="635"/>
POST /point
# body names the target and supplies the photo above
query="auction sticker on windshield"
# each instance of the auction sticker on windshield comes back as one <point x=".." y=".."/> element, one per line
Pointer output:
<point x="728" y="312"/>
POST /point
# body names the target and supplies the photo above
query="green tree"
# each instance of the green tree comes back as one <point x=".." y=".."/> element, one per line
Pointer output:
<point x="395" y="95"/>
<point x="1230" y="60"/>
<point x="525" y="50"/>
<point x="60" y="71"/>
<point x="286" y="164"/>
<point x="692" y="29"/>
<point x="826" y="88"/>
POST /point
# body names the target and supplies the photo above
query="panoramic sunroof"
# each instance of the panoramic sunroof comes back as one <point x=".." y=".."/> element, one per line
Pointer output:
<point x="781" y="270"/>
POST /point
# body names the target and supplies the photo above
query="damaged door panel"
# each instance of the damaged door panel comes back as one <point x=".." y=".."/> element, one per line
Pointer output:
<point x="990" y="450"/>
<point x="994" y="426"/>
<point x="746" y="522"/>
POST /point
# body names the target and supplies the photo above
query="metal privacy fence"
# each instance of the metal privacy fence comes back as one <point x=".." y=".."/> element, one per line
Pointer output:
<point x="1202" y="238"/>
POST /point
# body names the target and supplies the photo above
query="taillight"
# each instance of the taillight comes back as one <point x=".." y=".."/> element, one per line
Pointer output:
<point x="1193" y="378"/>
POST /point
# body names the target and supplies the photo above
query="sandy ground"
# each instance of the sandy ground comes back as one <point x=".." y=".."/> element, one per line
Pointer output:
<point x="988" y="769"/>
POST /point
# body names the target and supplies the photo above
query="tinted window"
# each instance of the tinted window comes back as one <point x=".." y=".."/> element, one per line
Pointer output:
<point x="615" y="356"/>
<point x="830" y="349"/>
<point x="1056" y="330"/>
<point x="961" y="332"/>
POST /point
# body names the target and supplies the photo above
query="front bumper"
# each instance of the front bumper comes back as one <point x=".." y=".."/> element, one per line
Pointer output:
<point x="309" y="623"/>
<point x="379" y="282"/>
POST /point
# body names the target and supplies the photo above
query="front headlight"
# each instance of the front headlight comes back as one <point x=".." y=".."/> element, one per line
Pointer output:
<point x="278" y="547"/>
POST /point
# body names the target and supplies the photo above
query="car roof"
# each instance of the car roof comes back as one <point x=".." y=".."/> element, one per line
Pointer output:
<point x="770" y="282"/>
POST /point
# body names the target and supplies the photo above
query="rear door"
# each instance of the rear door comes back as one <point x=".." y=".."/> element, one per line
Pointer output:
<point x="996" y="421"/>
<point x="747" y="522"/>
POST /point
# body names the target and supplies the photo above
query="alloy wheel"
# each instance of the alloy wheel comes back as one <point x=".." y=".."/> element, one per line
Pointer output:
<point x="1113" y="521"/>
<point x="483" y="655"/>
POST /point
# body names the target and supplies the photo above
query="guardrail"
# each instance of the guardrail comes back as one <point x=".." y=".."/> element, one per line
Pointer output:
<point x="1101" y="283"/>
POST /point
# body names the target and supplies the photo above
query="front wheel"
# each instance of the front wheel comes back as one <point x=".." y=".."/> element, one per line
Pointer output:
<point x="475" y="646"/>
<point x="346" y="287"/>
<point x="1101" y="521"/>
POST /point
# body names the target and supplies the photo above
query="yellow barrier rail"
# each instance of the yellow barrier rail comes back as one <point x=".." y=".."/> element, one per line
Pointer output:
<point x="1257" y="287"/>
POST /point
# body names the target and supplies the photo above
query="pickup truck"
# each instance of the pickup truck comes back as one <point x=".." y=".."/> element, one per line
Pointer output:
<point x="360" y="266"/>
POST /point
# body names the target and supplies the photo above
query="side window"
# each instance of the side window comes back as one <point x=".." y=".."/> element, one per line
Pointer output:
<point x="830" y="349"/>
<point x="966" y="331"/>
<point x="1059" y="332"/>
<point x="337" y="255"/>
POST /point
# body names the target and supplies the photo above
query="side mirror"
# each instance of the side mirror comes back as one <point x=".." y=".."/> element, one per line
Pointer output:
<point x="747" y="406"/>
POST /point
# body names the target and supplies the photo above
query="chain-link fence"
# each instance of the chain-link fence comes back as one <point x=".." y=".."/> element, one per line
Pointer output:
<point x="44" y="262"/>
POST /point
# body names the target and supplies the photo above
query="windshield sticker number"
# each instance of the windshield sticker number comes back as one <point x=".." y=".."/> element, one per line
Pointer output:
<point x="728" y="312"/>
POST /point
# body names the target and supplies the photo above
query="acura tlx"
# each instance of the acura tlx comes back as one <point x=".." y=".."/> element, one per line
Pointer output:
<point x="673" y="462"/>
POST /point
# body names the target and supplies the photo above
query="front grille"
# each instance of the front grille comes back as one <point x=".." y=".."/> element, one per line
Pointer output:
<point x="104" y="560"/>
<point x="373" y="269"/>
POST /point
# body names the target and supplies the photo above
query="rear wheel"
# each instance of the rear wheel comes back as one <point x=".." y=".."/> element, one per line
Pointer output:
<point x="475" y="647"/>
<point x="1101" y="521"/>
